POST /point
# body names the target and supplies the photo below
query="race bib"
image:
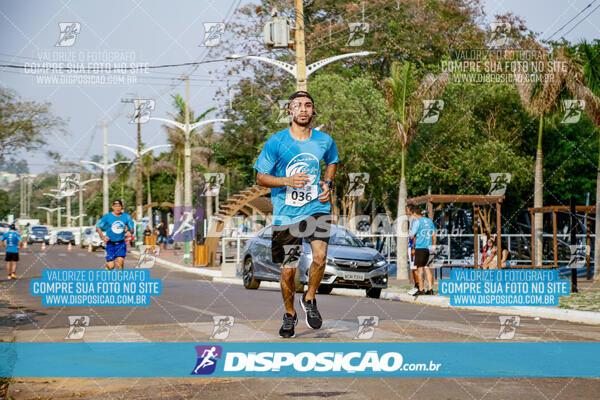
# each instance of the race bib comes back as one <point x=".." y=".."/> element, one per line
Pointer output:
<point x="299" y="197"/>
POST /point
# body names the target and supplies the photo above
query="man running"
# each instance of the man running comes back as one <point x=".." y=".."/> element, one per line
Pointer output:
<point x="290" y="164"/>
<point x="12" y="241"/>
<point x="118" y="226"/>
<point x="423" y="233"/>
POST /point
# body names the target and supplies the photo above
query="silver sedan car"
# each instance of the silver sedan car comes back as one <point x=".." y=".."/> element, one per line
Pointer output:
<point x="350" y="263"/>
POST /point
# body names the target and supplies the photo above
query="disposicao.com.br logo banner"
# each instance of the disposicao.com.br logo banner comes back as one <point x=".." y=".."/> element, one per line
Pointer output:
<point x="299" y="359"/>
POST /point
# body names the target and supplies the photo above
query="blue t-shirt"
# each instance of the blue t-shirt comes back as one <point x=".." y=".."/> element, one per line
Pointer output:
<point x="12" y="241"/>
<point x="283" y="155"/>
<point x="115" y="226"/>
<point x="423" y="228"/>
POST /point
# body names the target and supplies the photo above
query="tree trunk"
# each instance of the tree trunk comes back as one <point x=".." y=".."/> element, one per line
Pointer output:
<point x="538" y="198"/>
<point x="402" y="233"/>
<point x="149" y="197"/>
<point x="597" y="238"/>
<point x="178" y="201"/>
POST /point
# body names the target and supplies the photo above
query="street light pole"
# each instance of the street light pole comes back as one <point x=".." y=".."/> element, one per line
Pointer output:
<point x="58" y="197"/>
<point x="139" y="187"/>
<point x="105" y="168"/>
<point x="300" y="50"/>
<point x="138" y="154"/>
<point x="105" y="174"/>
<point x="187" y="128"/>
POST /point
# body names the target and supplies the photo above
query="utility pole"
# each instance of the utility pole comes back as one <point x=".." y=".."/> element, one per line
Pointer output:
<point x="105" y="175"/>
<point x="30" y="193"/>
<point x="138" y="194"/>
<point x="68" y="211"/>
<point x="187" y="168"/>
<point x="300" y="48"/>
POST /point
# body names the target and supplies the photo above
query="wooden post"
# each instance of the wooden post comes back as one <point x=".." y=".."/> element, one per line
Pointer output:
<point x="588" y="264"/>
<point x="498" y="235"/>
<point x="554" y="239"/>
<point x="430" y="209"/>
<point x="532" y="239"/>
<point x="475" y="236"/>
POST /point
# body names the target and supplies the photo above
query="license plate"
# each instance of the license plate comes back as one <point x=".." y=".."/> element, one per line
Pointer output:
<point x="353" y="276"/>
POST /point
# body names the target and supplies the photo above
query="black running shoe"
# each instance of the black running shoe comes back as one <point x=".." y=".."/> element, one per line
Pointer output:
<point x="287" y="328"/>
<point x="313" y="318"/>
<point x="429" y="292"/>
<point x="420" y="293"/>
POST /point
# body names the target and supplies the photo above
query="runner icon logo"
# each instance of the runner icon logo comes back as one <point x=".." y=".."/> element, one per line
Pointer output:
<point x="223" y="325"/>
<point x="431" y="111"/>
<point x="508" y="327"/>
<point x="148" y="255"/>
<point x="573" y="110"/>
<point x="292" y="255"/>
<point x="77" y="325"/>
<point x="207" y="359"/>
<point x="366" y="326"/>
<point x="68" y="33"/>
<point x="499" y="33"/>
<point x="212" y="33"/>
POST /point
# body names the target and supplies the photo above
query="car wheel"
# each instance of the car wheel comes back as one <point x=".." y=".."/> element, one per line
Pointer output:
<point x="324" y="289"/>
<point x="374" y="293"/>
<point x="248" y="275"/>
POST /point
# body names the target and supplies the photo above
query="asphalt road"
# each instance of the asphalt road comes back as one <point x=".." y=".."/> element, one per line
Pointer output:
<point x="184" y="311"/>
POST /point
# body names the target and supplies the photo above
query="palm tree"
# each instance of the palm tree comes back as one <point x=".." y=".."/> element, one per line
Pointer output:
<point x="177" y="140"/>
<point x="587" y="87"/>
<point x="405" y="90"/>
<point x="122" y="170"/>
<point x="541" y="92"/>
<point x="148" y="164"/>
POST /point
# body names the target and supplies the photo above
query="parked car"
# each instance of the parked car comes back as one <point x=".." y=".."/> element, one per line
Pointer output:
<point x="38" y="234"/>
<point x="65" y="237"/>
<point x="350" y="264"/>
<point x="3" y="227"/>
<point x="91" y="236"/>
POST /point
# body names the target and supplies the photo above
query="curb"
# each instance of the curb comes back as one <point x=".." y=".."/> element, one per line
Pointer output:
<point x="561" y="314"/>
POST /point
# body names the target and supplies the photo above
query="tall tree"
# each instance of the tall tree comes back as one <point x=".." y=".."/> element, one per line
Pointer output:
<point x="177" y="139"/>
<point x="405" y="92"/>
<point x="25" y="125"/>
<point x="541" y="91"/>
<point x="588" y="89"/>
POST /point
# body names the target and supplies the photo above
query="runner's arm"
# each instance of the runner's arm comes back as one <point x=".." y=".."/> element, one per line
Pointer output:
<point x="270" y="181"/>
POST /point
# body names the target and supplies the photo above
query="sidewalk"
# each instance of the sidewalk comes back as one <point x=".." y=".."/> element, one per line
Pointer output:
<point x="397" y="291"/>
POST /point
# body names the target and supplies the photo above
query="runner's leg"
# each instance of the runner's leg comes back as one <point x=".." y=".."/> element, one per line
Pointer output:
<point x="420" y="276"/>
<point x="429" y="274"/>
<point x="120" y="261"/>
<point x="317" y="268"/>
<point x="288" y="288"/>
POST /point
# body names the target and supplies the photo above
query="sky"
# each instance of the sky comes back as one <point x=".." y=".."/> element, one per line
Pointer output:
<point x="139" y="33"/>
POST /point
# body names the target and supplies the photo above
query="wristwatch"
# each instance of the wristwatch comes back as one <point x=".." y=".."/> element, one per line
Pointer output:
<point x="329" y="183"/>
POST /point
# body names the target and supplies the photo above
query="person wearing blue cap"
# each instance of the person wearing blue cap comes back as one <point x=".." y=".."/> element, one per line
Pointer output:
<point x="12" y="241"/>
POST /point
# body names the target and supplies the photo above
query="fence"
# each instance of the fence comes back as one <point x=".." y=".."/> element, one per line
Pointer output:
<point x="459" y="247"/>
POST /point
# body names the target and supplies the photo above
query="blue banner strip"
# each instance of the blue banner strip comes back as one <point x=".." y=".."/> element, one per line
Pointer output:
<point x="300" y="359"/>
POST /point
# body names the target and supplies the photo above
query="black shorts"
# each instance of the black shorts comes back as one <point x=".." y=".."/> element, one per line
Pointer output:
<point x="287" y="239"/>
<point x="421" y="257"/>
<point x="11" y="257"/>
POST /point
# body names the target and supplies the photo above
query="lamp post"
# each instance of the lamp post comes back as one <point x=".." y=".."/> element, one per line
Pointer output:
<point x="48" y="212"/>
<point x="105" y="168"/>
<point x="138" y="211"/>
<point x="187" y="128"/>
<point x="58" y="197"/>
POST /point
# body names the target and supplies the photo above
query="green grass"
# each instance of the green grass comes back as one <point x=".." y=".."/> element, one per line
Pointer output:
<point x="582" y="301"/>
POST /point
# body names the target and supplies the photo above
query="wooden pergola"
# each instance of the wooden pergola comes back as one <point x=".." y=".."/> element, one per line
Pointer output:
<point x="555" y="209"/>
<point x="476" y="201"/>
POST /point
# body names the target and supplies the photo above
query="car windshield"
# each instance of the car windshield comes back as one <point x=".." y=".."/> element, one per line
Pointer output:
<point x="343" y="237"/>
<point x="39" y="230"/>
